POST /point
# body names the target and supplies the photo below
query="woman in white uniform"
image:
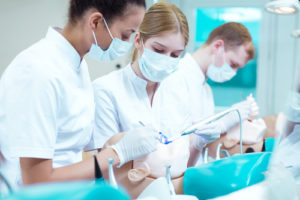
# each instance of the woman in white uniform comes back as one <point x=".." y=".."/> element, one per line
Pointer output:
<point x="132" y="96"/>
<point x="47" y="102"/>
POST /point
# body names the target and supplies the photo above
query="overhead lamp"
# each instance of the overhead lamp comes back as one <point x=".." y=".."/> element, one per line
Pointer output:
<point x="282" y="7"/>
<point x="296" y="33"/>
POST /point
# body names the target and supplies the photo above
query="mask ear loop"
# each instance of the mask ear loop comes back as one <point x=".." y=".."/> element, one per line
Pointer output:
<point x="95" y="38"/>
<point x="108" y="28"/>
<point x="223" y="49"/>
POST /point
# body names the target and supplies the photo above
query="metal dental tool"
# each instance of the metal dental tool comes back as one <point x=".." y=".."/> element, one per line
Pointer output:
<point x="165" y="140"/>
<point x="205" y="156"/>
<point x="225" y="153"/>
<point x="169" y="180"/>
<point x="112" y="178"/>
<point x="218" y="151"/>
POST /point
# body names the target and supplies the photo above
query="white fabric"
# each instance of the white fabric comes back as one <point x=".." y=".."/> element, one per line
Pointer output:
<point x="47" y="106"/>
<point x="201" y="96"/>
<point x="122" y="101"/>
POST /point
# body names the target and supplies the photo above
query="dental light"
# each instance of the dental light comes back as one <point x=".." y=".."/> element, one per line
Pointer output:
<point x="282" y="7"/>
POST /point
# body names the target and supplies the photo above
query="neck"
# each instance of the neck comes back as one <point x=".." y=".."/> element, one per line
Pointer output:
<point x="203" y="58"/>
<point x="74" y="33"/>
<point x="151" y="86"/>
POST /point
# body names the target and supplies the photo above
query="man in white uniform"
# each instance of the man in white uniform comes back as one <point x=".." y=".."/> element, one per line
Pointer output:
<point x="228" y="48"/>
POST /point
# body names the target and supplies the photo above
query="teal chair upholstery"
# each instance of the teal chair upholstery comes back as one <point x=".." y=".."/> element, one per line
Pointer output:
<point x="73" y="190"/>
<point x="227" y="175"/>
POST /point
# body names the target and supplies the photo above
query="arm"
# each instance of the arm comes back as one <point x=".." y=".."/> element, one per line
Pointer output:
<point x="35" y="170"/>
<point x="135" y="143"/>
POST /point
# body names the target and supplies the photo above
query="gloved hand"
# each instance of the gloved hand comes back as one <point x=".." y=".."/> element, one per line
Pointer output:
<point x="207" y="133"/>
<point x="200" y="140"/>
<point x="136" y="143"/>
<point x="248" y="110"/>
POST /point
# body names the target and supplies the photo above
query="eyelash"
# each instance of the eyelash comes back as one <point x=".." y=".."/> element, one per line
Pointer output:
<point x="158" y="50"/>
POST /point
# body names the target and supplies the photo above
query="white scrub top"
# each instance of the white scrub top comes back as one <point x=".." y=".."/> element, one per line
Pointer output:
<point x="47" y="105"/>
<point x="200" y="93"/>
<point x="122" y="101"/>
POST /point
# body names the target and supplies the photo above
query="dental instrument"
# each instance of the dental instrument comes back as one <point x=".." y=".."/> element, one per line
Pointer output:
<point x="218" y="151"/>
<point x="165" y="140"/>
<point x="205" y="159"/>
<point x="112" y="178"/>
<point x="225" y="153"/>
<point x="169" y="180"/>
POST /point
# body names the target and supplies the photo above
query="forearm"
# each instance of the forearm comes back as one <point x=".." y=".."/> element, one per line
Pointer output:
<point x="40" y="170"/>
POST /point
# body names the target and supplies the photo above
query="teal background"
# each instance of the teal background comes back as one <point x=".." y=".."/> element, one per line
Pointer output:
<point x="244" y="83"/>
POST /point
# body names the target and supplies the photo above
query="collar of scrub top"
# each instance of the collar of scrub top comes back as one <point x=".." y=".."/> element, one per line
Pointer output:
<point x="64" y="46"/>
<point x="197" y="69"/>
<point x="135" y="79"/>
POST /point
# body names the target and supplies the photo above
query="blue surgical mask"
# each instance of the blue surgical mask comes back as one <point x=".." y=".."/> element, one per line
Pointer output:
<point x="222" y="73"/>
<point x="116" y="48"/>
<point x="155" y="66"/>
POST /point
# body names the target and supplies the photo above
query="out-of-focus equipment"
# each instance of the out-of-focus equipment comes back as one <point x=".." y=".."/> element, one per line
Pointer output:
<point x="282" y="7"/>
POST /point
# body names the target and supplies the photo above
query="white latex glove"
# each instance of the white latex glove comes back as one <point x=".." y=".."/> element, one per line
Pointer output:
<point x="248" y="110"/>
<point x="206" y="134"/>
<point x="136" y="143"/>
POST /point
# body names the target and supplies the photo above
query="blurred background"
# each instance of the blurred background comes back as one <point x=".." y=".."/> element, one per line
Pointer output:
<point x="267" y="76"/>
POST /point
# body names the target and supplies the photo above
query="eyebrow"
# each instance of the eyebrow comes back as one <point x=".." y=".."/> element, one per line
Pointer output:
<point x="167" y="47"/>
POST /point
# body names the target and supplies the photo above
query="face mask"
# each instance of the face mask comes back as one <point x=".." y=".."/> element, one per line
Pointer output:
<point x="222" y="73"/>
<point x="116" y="48"/>
<point x="155" y="66"/>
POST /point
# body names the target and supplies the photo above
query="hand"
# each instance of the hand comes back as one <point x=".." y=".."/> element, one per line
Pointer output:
<point x="206" y="134"/>
<point x="248" y="109"/>
<point x="136" y="143"/>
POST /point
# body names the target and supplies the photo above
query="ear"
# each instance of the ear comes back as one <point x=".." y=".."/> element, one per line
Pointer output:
<point x="95" y="20"/>
<point x="138" y="43"/>
<point x="216" y="45"/>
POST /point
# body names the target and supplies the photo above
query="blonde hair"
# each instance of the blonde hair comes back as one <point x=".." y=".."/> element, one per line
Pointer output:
<point x="163" y="18"/>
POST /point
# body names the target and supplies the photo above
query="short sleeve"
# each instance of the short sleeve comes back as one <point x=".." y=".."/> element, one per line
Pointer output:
<point x="106" y="119"/>
<point x="29" y="104"/>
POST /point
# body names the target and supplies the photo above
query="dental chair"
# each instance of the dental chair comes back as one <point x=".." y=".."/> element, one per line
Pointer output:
<point x="227" y="175"/>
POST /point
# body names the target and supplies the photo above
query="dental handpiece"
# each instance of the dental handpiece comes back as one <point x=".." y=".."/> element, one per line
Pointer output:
<point x="200" y="123"/>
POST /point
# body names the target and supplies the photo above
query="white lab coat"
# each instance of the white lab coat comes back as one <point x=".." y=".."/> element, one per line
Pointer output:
<point x="47" y="105"/>
<point x="201" y="96"/>
<point x="122" y="101"/>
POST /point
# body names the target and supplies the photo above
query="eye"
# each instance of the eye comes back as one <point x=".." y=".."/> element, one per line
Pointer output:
<point x="174" y="55"/>
<point x="125" y="37"/>
<point x="158" y="50"/>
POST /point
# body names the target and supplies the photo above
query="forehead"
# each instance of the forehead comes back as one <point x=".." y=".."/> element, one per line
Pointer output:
<point x="167" y="40"/>
<point x="238" y="55"/>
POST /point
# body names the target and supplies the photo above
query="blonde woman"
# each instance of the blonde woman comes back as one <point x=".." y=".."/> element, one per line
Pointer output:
<point x="132" y="96"/>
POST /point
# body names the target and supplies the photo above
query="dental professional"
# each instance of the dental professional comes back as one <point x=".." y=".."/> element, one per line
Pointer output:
<point x="127" y="98"/>
<point x="228" y="48"/>
<point x="47" y="102"/>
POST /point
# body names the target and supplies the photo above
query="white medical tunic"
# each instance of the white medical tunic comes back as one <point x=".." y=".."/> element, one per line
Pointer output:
<point x="46" y="105"/>
<point x="122" y="101"/>
<point x="200" y="93"/>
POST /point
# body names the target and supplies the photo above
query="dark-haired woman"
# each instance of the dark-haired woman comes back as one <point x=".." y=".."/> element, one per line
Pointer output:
<point x="46" y="97"/>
